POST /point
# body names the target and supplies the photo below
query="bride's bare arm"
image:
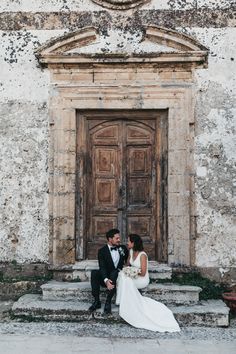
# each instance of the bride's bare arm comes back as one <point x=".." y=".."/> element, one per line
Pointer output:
<point x="143" y="261"/>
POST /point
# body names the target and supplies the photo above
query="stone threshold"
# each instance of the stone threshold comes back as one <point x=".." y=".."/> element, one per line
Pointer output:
<point x="82" y="269"/>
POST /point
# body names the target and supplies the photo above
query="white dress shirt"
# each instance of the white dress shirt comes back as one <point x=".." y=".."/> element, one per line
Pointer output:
<point x="114" y="255"/>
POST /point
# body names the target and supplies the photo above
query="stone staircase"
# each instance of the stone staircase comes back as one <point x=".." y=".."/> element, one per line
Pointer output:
<point x="69" y="301"/>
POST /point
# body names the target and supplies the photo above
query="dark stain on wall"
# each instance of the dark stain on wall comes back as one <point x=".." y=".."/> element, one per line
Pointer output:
<point x="203" y="17"/>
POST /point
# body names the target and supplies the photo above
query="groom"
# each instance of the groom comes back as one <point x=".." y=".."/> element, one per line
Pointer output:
<point x="111" y="259"/>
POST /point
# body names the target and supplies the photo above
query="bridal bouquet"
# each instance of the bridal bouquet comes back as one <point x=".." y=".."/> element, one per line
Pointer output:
<point x="131" y="272"/>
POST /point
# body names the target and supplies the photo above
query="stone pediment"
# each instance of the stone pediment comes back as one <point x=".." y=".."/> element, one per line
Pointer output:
<point x="120" y="4"/>
<point x="155" y="44"/>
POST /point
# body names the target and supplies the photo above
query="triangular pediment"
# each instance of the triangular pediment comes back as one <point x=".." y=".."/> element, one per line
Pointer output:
<point x="87" y="45"/>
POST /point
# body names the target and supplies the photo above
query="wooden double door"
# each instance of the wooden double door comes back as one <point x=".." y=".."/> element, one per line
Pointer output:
<point x="122" y="184"/>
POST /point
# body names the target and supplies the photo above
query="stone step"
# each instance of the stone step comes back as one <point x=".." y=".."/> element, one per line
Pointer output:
<point x="167" y="293"/>
<point x="211" y="313"/>
<point x="82" y="270"/>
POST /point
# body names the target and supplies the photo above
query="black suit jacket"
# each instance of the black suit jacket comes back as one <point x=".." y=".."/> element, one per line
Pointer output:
<point x="106" y="265"/>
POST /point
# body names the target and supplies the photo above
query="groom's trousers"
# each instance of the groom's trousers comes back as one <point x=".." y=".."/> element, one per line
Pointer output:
<point x="97" y="281"/>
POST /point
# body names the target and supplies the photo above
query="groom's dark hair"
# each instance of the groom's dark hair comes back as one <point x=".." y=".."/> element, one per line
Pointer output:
<point x="111" y="233"/>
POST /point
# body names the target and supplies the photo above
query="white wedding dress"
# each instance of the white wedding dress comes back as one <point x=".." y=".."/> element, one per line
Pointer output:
<point x="140" y="311"/>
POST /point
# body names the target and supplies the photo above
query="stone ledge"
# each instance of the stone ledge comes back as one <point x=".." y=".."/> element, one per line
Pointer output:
<point x="213" y="313"/>
<point x="83" y="269"/>
<point x="13" y="290"/>
<point x="167" y="293"/>
<point x="5" y="307"/>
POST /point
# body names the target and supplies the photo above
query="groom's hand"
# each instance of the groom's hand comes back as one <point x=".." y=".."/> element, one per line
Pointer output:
<point x="109" y="284"/>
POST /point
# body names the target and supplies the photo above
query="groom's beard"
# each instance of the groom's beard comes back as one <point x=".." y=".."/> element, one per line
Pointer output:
<point x="117" y="244"/>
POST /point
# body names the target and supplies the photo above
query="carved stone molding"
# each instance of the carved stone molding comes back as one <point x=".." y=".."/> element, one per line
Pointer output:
<point x="121" y="81"/>
<point x="120" y="4"/>
<point x="181" y="49"/>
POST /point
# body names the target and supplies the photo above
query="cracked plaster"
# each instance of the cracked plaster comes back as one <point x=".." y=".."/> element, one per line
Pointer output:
<point x="87" y="5"/>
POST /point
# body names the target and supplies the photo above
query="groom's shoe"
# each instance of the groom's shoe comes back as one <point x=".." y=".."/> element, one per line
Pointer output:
<point x="95" y="305"/>
<point x="107" y="308"/>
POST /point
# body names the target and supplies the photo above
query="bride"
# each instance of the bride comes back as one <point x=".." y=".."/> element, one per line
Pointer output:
<point x="137" y="310"/>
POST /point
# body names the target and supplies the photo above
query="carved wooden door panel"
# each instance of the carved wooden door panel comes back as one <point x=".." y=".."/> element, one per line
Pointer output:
<point x="104" y="172"/>
<point x="121" y="181"/>
<point x="140" y="182"/>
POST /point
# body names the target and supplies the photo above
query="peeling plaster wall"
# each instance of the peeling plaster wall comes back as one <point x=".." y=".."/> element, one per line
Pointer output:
<point x="24" y="88"/>
<point x="215" y="152"/>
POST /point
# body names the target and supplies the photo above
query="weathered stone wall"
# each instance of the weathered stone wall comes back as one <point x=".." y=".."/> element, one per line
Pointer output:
<point x="24" y="87"/>
<point x="24" y="150"/>
<point x="215" y="148"/>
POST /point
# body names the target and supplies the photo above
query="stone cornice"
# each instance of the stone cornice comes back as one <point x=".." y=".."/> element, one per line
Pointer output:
<point x="183" y="49"/>
<point x="185" y="57"/>
<point x="202" y="17"/>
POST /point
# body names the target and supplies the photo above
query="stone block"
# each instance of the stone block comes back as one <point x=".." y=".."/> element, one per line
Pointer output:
<point x="182" y="75"/>
<point x="178" y="204"/>
<point x="60" y="76"/>
<point x="5" y="308"/>
<point x="64" y="228"/>
<point x="83" y="76"/>
<point x="178" y="227"/>
<point x="81" y="291"/>
<point x="65" y="252"/>
<point x="178" y="184"/>
<point x="65" y="141"/>
<point x="65" y="183"/>
<point x="113" y="76"/>
<point x="173" y="293"/>
<point x="180" y="254"/>
<point x="208" y="314"/>
<point x="72" y="76"/>
<point x="64" y="205"/>
<point x="177" y="162"/>
<point x="82" y="270"/>
<point x="165" y="74"/>
<point x="211" y="313"/>
<point x="63" y="119"/>
<point x="13" y="290"/>
<point x="64" y="162"/>
<point x="147" y="76"/>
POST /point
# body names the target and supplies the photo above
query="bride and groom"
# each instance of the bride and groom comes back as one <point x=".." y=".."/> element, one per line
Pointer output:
<point x="137" y="310"/>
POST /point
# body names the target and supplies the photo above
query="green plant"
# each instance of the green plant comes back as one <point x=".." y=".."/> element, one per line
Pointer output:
<point x="210" y="288"/>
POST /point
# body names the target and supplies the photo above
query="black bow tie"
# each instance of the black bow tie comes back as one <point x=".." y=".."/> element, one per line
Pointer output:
<point x="113" y="248"/>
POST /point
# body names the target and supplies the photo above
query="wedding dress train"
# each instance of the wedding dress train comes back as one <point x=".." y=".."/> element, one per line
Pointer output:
<point x="140" y="311"/>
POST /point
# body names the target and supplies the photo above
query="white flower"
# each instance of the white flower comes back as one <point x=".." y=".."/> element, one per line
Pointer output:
<point x="131" y="272"/>
<point x="121" y="251"/>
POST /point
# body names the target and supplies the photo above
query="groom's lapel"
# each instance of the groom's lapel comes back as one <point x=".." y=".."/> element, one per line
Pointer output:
<point x="121" y="257"/>
<point x="108" y="255"/>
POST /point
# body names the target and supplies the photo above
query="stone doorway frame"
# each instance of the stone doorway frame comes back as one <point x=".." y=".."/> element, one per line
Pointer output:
<point x="157" y="81"/>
